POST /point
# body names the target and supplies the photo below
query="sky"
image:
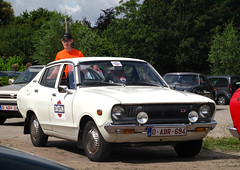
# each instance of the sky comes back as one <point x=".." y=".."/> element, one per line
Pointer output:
<point x="78" y="9"/>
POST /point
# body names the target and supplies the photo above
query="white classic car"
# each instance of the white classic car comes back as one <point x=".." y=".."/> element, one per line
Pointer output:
<point x="102" y="101"/>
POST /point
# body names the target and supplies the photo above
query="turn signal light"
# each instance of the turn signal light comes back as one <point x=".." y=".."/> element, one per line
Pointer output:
<point x="99" y="112"/>
<point x="128" y="131"/>
<point x="200" y="130"/>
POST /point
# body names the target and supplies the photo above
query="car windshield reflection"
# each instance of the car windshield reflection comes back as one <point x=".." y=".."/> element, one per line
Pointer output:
<point x="124" y="73"/>
<point x="27" y="75"/>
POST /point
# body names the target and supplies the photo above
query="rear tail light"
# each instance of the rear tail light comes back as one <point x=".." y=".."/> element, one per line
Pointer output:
<point x="215" y="90"/>
<point x="230" y="89"/>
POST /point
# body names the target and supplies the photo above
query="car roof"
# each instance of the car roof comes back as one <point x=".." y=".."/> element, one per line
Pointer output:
<point x="225" y="76"/>
<point x="84" y="59"/>
<point x="183" y="73"/>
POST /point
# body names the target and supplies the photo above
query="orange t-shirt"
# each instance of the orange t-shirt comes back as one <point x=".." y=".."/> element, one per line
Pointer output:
<point x="64" y="55"/>
<point x="72" y="54"/>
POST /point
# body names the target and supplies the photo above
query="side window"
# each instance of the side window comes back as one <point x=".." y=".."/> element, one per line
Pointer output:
<point x="49" y="76"/>
<point x="67" y="77"/>
<point x="202" y="80"/>
<point x="213" y="81"/>
<point x="222" y="82"/>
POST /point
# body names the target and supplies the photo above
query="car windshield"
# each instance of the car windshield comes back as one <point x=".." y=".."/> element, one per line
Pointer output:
<point x="27" y="75"/>
<point x="181" y="79"/>
<point x="119" y="73"/>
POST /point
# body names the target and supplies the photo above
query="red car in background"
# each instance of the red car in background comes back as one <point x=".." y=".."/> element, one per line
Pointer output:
<point x="235" y="113"/>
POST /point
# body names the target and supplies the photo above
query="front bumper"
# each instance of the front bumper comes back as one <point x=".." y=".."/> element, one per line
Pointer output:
<point x="135" y="133"/>
<point x="234" y="132"/>
<point x="110" y="128"/>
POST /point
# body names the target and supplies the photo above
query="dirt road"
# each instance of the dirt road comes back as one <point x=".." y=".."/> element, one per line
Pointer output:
<point x="162" y="157"/>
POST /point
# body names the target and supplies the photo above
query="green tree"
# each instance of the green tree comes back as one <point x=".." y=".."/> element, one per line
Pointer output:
<point x="225" y="51"/>
<point x="171" y="35"/>
<point x="6" y="12"/>
<point x="46" y="40"/>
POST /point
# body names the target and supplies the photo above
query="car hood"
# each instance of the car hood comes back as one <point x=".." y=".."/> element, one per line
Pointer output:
<point x="11" y="88"/>
<point x="133" y="95"/>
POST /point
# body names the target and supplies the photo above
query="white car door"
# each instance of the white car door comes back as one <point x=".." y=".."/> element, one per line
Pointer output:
<point x="41" y="96"/>
<point x="60" y="105"/>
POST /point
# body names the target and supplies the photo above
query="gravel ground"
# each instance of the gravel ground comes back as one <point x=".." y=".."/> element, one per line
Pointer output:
<point x="140" y="158"/>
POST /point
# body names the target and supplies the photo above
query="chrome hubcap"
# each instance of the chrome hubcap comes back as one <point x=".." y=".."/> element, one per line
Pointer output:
<point x="221" y="100"/>
<point x="92" y="139"/>
<point x="34" y="129"/>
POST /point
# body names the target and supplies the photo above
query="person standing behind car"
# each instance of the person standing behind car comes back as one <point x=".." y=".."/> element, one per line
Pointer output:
<point x="68" y="51"/>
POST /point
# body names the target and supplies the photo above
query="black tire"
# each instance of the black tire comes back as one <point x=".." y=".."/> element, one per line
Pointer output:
<point x="188" y="149"/>
<point x="2" y="120"/>
<point x="95" y="147"/>
<point x="222" y="100"/>
<point x="38" y="138"/>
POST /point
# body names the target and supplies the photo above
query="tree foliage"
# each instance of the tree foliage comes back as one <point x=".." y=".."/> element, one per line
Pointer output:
<point x="173" y="35"/>
<point x="225" y="51"/>
<point x="6" y="12"/>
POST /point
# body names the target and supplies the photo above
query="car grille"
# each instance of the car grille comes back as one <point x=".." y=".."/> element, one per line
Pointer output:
<point x="161" y="113"/>
<point x="8" y="96"/>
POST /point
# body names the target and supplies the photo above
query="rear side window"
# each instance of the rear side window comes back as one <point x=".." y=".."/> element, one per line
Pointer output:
<point x="222" y="82"/>
<point x="213" y="81"/>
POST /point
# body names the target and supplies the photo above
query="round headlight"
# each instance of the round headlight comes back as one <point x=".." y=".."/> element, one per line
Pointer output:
<point x="118" y="113"/>
<point x="142" y="118"/>
<point x="205" y="111"/>
<point x="193" y="116"/>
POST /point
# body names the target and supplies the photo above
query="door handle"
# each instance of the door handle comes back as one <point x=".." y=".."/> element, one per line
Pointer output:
<point x="36" y="90"/>
<point x="54" y="94"/>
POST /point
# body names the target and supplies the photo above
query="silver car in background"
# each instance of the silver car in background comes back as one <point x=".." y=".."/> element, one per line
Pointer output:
<point x="8" y="94"/>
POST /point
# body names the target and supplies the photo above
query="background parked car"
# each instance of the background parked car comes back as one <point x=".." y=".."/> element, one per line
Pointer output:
<point x="8" y="94"/>
<point x="10" y="74"/>
<point x="234" y="110"/>
<point x="226" y="85"/>
<point x="191" y="82"/>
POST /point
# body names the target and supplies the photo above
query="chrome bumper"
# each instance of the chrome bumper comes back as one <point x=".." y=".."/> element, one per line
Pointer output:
<point x="234" y="132"/>
<point x="110" y="128"/>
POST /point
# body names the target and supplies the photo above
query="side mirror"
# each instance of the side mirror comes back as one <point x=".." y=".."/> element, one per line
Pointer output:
<point x="64" y="89"/>
<point x="10" y="81"/>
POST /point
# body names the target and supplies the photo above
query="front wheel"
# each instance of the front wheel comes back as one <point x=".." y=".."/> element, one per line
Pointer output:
<point x="95" y="147"/>
<point x="38" y="138"/>
<point x="189" y="148"/>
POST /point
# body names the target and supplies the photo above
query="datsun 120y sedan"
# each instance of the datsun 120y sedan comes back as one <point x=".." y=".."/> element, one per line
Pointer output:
<point x="102" y="102"/>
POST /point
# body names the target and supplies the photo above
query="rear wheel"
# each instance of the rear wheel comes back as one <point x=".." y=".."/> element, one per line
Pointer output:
<point x="189" y="148"/>
<point x="222" y="100"/>
<point x="95" y="147"/>
<point x="38" y="138"/>
<point x="2" y="120"/>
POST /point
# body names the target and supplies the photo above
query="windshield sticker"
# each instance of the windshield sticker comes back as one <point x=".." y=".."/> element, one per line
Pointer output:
<point x="122" y="79"/>
<point x="59" y="110"/>
<point x="116" y="63"/>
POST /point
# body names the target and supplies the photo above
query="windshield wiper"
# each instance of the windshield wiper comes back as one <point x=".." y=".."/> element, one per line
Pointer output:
<point x="143" y="83"/>
<point x="112" y="83"/>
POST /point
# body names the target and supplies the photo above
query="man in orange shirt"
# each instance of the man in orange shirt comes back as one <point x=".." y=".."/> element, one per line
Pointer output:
<point x="68" y="51"/>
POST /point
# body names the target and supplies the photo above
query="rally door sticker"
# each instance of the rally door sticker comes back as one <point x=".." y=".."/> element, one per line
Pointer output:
<point x="59" y="111"/>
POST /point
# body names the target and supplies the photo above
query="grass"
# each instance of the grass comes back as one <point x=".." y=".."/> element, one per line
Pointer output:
<point x="230" y="144"/>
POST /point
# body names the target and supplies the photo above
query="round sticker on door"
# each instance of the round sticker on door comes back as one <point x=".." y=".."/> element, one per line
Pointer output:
<point x="122" y="79"/>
